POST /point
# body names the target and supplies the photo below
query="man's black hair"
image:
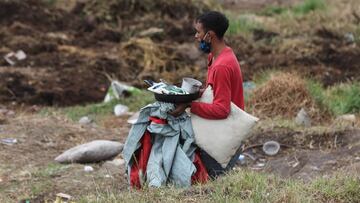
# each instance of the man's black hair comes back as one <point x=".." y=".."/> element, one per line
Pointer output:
<point x="214" y="21"/>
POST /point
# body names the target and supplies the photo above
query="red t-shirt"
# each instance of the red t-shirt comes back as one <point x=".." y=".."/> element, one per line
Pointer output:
<point x="224" y="75"/>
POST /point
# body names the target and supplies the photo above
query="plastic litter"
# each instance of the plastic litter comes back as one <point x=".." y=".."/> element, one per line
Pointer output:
<point x="249" y="85"/>
<point x="242" y="159"/>
<point x="349" y="37"/>
<point x="302" y="118"/>
<point x="8" y="141"/>
<point x="271" y="148"/>
<point x="118" y="90"/>
<point x="120" y="110"/>
<point x="13" y="57"/>
<point x="85" y="120"/>
<point x="88" y="168"/>
<point x="60" y="197"/>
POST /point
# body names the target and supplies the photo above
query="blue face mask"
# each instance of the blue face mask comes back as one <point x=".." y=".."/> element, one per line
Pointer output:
<point x="205" y="46"/>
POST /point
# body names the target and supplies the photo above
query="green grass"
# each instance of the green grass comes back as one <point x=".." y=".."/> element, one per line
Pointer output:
<point x="244" y="186"/>
<point x="303" y="8"/>
<point x="357" y="34"/>
<point x="344" y="98"/>
<point x="50" y="170"/>
<point x="273" y="10"/>
<point x="242" y="25"/>
<point x="134" y="102"/>
<point x="308" y="6"/>
<point x="317" y="91"/>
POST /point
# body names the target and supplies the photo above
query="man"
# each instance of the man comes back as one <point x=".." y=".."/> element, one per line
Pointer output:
<point x="224" y="76"/>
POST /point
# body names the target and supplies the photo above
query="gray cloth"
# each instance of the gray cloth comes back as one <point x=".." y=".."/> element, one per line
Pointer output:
<point x="173" y="146"/>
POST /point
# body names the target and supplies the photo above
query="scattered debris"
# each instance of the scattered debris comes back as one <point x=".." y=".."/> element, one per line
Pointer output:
<point x="95" y="151"/>
<point x="6" y="112"/>
<point x="271" y="148"/>
<point x="249" y="85"/>
<point x="61" y="197"/>
<point x="85" y="120"/>
<point x="118" y="90"/>
<point x="88" y="168"/>
<point x="120" y="110"/>
<point x="302" y="118"/>
<point x="258" y="166"/>
<point x="349" y="38"/>
<point x="8" y="141"/>
<point x="151" y="32"/>
<point x="252" y="157"/>
<point x="242" y="159"/>
<point x="13" y="56"/>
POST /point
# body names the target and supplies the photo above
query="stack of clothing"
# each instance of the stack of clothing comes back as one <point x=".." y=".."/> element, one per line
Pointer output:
<point x="160" y="149"/>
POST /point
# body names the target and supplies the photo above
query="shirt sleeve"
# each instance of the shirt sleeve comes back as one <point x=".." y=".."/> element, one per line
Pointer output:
<point x="220" y="108"/>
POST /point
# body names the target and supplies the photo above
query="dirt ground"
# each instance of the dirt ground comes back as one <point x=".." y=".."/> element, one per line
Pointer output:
<point x="28" y="168"/>
<point x="73" y="50"/>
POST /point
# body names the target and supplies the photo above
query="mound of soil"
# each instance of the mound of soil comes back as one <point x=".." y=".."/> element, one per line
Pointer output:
<point x="284" y="94"/>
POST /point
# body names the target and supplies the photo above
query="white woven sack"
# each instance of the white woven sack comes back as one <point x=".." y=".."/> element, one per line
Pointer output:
<point x="222" y="138"/>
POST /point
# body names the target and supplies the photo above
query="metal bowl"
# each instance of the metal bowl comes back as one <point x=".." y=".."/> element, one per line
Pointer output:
<point x="176" y="99"/>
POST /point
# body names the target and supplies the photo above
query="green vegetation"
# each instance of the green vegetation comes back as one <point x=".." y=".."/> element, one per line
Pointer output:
<point x="241" y="24"/>
<point x="273" y="10"/>
<point x="245" y="186"/>
<point x="317" y="92"/>
<point x="309" y="5"/>
<point x="303" y="8"/>
<point x="51" y="170"/>
<point x="344" y="98"/>
<point x="134" y="102"/>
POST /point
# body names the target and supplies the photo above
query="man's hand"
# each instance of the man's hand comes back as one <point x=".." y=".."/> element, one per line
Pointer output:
<point x="179" y="109"/>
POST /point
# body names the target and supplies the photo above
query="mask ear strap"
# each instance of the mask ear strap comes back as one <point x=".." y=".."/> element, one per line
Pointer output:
<point x="207" y="32"/>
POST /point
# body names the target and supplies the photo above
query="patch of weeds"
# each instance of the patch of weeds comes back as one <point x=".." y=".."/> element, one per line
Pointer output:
<point x="50" y="170"/>
<point x="308" y="6"/>
<point x="357" y="34"/>
<point x="344" y="98"/>
<point x="246" y="185"/>
<point x="317" y="92"/>
<point x="39" y="188"/>
<point x="242" y="25"/>
<point x="273" y="10"/>
<point x="263" y="76"/>
<point x="243" y="186"/>
<point x="339" y="189"/>
<point x="303" y="8"/>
